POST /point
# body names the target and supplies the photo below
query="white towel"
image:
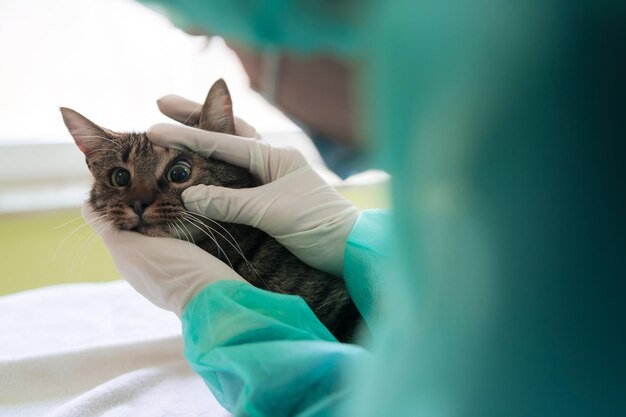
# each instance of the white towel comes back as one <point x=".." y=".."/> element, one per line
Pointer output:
<point x="94" y="350"/>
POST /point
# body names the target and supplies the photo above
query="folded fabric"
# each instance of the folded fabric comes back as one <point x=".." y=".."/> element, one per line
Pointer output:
<point x="94" y="350"/>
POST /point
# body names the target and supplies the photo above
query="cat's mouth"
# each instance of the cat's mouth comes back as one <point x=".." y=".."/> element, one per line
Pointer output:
<point x="150" y="229"/>
<point x="140" y="226"/>
<point x="163" y="227"/>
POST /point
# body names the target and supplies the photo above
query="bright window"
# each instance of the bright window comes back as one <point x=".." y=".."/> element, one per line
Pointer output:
<point x="110" y="60"/>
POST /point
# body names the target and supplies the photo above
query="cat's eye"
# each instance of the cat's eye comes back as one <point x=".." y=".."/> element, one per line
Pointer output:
<point x="120" y="177"/>
<point x="179" y="172"/>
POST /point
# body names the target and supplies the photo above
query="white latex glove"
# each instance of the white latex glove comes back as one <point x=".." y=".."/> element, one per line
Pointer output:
<point x="294" y="204"/>
<point x="167" y="271"/>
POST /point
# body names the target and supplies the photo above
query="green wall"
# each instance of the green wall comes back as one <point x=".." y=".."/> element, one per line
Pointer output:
<point x="45" y="248"/>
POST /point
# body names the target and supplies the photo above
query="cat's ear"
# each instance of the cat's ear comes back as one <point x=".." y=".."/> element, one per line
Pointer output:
<point x="217" y="112"/>
<point x="87" y="135"/>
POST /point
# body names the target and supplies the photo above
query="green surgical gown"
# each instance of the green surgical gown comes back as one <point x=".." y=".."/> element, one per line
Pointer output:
<point x="502" y="125"/>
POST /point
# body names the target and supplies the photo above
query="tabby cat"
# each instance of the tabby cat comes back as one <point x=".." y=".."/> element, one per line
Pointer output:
<point x="137" y="186"/>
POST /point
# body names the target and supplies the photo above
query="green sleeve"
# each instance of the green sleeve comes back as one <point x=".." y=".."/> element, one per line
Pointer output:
<point x="265" y="354"/>
<point x="366" y="260"/>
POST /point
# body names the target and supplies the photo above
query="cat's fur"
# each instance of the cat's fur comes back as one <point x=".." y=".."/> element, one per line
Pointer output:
<point x="265" y="263"/>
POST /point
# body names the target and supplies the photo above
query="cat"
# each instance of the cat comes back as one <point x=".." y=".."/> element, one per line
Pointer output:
<point x="137" y="186"/>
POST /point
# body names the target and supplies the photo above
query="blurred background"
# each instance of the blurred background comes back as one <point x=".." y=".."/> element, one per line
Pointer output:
<point x="110" y="60"/>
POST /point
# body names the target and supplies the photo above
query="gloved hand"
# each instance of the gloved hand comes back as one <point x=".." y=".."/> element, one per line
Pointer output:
<point x="293" y="204"/>
<point x="168" y="272"/>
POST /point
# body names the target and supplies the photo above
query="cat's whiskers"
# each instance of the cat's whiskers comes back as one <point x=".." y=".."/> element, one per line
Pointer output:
<point x="111" y="141"/>
<point x="105" y="153"/>
<point x="210" y="230"/>
<point x="65" y="240"/>
<point x="181" y="235"/>
<point x="173" y="227"/>
<point x="67" y="222"/>
<point x="93" y="160"/>
<point x="169" y="228"/>
<point x="103" y="227"/>
<point x="79" y="249"/>
<point x="177" y="230"/>
<point x="192" y="217"/>
<point x="104" y="138"/>
<point x="200" y="218"/>
<point x="79" y="227"/>
<point x="234" y="243"/>
<point x="213" y="238"/>
<point x="120" y="147"/>
<point x="187" y="230"/>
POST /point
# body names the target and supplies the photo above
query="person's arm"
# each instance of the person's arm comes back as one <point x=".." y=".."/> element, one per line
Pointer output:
<point x="265" y="354"/>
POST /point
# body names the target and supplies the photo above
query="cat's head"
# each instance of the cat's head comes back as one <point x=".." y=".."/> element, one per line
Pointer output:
<point x="137" y="185"/>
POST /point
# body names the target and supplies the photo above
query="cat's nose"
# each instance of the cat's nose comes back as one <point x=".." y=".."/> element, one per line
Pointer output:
<point x="139" y="205"/>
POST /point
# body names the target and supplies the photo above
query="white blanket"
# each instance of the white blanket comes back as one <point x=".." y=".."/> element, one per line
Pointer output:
<point x="94" y="350"/>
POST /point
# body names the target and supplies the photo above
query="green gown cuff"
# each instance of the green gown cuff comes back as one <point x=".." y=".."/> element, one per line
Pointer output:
<point x="366" y="260"/>
<point x="263" y="353"/>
